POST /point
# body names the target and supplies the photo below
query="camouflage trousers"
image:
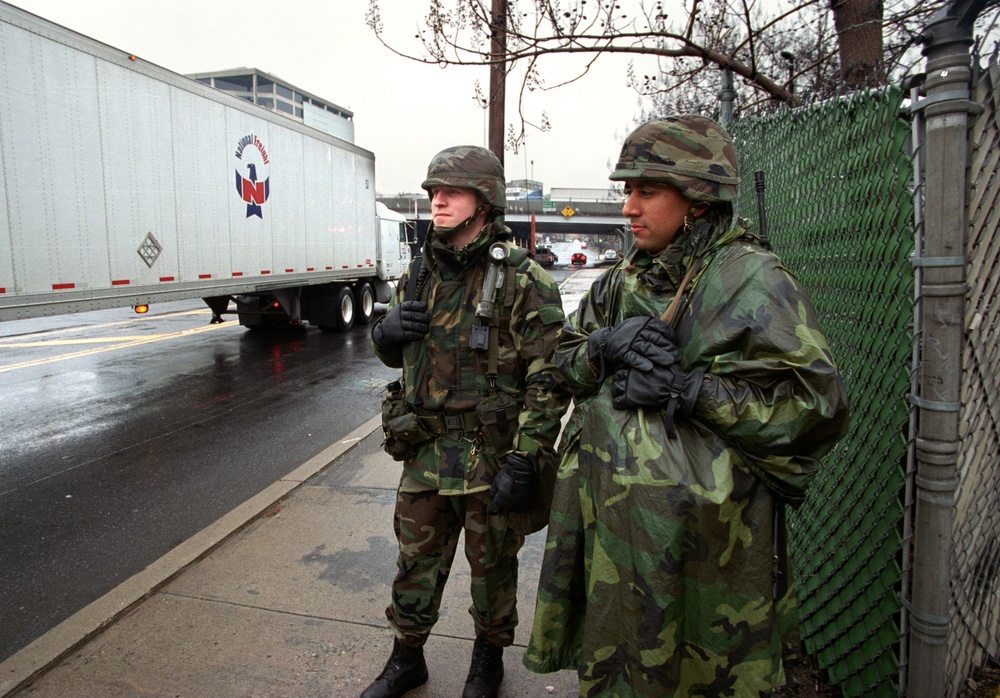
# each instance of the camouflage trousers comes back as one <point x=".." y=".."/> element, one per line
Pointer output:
<point x="428" y="526"/>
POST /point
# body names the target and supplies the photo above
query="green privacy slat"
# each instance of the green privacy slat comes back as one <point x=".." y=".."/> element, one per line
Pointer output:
<point x="840" y="216"/>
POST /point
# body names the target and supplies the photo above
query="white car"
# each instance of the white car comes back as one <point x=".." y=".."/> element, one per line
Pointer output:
<point x="611" y="256"/>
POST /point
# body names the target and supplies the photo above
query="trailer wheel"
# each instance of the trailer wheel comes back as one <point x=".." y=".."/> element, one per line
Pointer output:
<point x="333" y="309"/>
<point x="345" y="309"/>
<point x="364" y="304"/>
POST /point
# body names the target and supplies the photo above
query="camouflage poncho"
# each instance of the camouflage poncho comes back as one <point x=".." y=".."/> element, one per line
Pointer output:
<point x="657" y="577"/>
<point x="443" y="375"/>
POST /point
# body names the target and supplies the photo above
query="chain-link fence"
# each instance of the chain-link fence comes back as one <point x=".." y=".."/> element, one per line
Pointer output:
<point x="839" y="207"/>
<point x="975" y="616"/>
<point x="839" y="212"/>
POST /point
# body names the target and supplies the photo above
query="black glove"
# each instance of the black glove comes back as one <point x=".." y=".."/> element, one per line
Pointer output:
<point x="514" y="486"/>
<point x="675" y="390"/>
<point x="645" y="343"/>
<point x="404" y="323"/>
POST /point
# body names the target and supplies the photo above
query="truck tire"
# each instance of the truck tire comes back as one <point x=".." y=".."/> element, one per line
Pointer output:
<point x="345" y="309"/>
<point x="332" y="308"/>
<point x="364" y="304"/>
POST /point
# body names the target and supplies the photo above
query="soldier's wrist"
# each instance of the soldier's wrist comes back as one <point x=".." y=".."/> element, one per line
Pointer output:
<point x="524" y="444"/>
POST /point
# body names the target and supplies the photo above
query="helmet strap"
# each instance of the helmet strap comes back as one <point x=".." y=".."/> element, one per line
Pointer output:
<point x="480" y="210"/>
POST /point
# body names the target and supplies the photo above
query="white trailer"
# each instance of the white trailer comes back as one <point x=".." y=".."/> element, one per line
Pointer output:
<point x="124" y="184"/>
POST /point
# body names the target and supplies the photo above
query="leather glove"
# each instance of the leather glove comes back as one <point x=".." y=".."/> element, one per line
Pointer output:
<point x="644" y="343"/>
<point x="404" y="323"/>
<point x="675" y="390"/>
<point x="515" y="484"/>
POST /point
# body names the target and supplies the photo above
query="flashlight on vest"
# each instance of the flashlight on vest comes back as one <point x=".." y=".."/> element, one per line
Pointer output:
<point x="493" y="281"/>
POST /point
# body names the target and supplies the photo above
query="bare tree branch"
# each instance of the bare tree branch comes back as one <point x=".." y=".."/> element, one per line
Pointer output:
<point x="817" y="44"/>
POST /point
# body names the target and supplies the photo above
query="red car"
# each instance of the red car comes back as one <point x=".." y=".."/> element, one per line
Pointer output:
<point x="578" y="259"/>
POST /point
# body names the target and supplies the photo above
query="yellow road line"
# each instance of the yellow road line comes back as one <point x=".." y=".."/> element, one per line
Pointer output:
<point x="132" y="342"/>
<point x="64" y="342"/>
<point x="137" y="318"/>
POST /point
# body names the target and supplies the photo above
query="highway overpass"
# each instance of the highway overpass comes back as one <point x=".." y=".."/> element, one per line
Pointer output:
<point x="557" y="220"/>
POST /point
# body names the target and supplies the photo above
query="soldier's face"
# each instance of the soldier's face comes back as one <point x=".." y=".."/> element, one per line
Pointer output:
<point x="656" y="213"/>
<point x="451" y="206"/>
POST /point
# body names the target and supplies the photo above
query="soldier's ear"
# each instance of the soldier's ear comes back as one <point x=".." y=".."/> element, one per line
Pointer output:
<point x="697" y="210"/>
<point x="483" y="208"/>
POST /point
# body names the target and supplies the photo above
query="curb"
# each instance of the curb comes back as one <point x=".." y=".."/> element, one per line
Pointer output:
<point x="50" y="648"/>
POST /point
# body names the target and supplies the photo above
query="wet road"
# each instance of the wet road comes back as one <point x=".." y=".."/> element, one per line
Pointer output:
<point x="125" y="435"/>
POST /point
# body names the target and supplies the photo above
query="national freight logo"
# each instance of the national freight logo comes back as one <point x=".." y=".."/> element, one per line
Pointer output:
<point x="252" y="180"/>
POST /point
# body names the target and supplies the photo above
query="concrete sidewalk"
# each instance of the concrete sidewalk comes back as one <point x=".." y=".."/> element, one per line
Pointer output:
<point x="291" y="605"/>
<point x="284" y="596"/>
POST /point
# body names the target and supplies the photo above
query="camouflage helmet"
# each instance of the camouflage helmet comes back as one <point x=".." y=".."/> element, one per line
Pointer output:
<point x="471" y="167"/>
<point x="693" y="153"/>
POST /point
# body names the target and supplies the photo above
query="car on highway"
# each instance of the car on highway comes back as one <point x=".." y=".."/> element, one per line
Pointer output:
<point x="611" y="256"/>
<point x="545" y="256"/>
<point x="578" y="259"/>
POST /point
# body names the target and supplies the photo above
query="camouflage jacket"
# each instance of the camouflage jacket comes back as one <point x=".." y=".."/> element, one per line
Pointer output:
<point x="657" y="577"/>
<point x="772" y="393"/>
<point x="443" y="375"/>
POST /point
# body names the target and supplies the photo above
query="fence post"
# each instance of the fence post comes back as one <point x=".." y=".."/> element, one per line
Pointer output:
<point x="947" y="39"/>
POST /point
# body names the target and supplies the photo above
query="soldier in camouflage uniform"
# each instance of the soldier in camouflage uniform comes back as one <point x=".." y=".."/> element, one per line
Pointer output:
<point x="484" y="402"/>
<point x="704" y="394"/>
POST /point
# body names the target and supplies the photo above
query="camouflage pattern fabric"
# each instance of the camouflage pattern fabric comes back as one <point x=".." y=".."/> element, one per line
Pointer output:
<point x="444" y="376"/>
<point x="428" y="526"/>
<point x="657" y="576"/>
<point x="471" y="167"/>
<point x="693" y="153"/>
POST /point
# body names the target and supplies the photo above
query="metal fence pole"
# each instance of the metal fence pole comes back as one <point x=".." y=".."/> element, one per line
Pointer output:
<point x="947" y="37"/>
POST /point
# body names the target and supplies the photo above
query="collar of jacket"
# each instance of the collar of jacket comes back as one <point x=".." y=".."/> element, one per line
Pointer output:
<point x="452" y="260"/>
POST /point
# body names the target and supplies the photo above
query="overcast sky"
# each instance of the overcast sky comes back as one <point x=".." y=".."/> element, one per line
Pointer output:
<point x="404" y="112"/>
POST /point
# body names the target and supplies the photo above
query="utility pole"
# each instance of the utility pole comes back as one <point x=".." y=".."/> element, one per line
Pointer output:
<point x="498" y="76"/>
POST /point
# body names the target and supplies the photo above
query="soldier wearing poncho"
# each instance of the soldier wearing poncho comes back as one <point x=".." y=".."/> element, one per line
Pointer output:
<point x="704" y="394"/>
<point x="484" y="402"/>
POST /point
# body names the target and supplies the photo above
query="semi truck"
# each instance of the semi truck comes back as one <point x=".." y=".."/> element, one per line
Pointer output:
<point x="125" y="184"/>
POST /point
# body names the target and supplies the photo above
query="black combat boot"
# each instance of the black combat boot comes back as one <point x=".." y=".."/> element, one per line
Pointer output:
<point x="404" y="671"/>
<point x="486" y="671"/>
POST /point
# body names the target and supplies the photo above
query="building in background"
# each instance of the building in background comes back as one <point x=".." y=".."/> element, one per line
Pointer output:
<point x="524" y="189"/>
<point x="610" y="193"/>
<point x="270" y="92"/>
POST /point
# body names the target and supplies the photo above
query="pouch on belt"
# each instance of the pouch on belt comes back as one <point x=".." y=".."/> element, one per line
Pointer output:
<point x="402" y="429"/>
<point x="497" y="414"/>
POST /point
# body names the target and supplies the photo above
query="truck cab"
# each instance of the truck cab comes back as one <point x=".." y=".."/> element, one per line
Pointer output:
<point x="393" y="250"/>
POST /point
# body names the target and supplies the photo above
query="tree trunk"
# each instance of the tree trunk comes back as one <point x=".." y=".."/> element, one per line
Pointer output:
<point x="859" y="35"/>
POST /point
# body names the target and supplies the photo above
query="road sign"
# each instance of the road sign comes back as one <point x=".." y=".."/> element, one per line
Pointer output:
<point x="568" y="212"/>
